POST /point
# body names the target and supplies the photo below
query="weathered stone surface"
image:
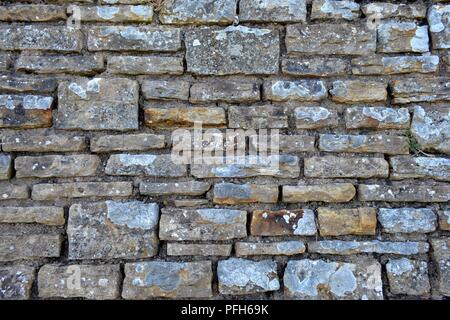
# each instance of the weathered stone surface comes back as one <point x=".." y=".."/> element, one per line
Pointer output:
<point x="111" y="229"/>
<point x="128" y="142"/>
<point x="119" y="1"/>
<point x="48" y="64"/>
<point x="341" y="247"/>
<point x="5" y="61"/>
<point x="315" y="66"/>
<point x="272" y="11"/>
<point x="13" y="191"/>
<point x="116" y="14"/>
<point x="408" y="277"/>
<point x="331" y="192"/>
<point x="25" y="112"/>
<point x="332" y="9"/>
<point x="182" y="12"/>
<point x="328" y="280"/>
<point x="140" y="38"/>
<point x="444" y="219"/>
<point x="439" y="21"/>
<point x="49" y="191"/>
<point x="31" y="246"/>
<point x="384" y="10"/>
<point x="315" y="118"/>
<point x="233" y="50"/>
<point x="27" y="84"/>
<point x="98" y="104"/>
<point x="358" y="91"/>
<point x="404" y="193"/>
<point x="192" y="249"/>
<point x="184" y="116"/>
<point x="338" y="167"/>
<point x="420" y="90"/>
<point x="375" y="143"/>
<point x="406" y="167"/>
<point x="40" y="37"/>
<point x="153" y="279"/>
<point x="180" y="203"/>
<point x="376" y="118"/>
<point x="16" y="282"/>
<point x="441" y="257"/>
<point x="373" y="65"/>
<point x="230" y="193"/>
<point x="188" y="188"/>
<point x="338" y="222"/>
<point x="42" y="141"/>
<point x="96" y="282"/>
<point x="52" y="216"/>
<point x="145" y="65"/>
<point x="431" y="128"/>
<point x="281" y="166"/>
<point x="240" y="276"/>
<point x="296" y="90"/>
<point x="32" y="12"/>
<point x="286" y="143"/>
<point x="5" y="166"/>
<point x="299" y="222"/>
<point x="397" y="36"/>
<point x="80" y="165"/>
<point x="144" y="165"/>
<point x="287" y="248"/>
<point x="224" y="91"/>
<point x="257" y="117"/>
<point x="165" y="89"/>
<point x="328" y="38"/>
<point x="202" y="224"/>
<point x="407" y="220"/>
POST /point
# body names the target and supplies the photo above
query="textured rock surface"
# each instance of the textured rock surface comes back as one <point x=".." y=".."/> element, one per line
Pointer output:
<point x="331" y="9"/>
<point x="49" y="191"/>
<point x="407" y="220"/>
<point x="300" y="222"/>
<point x="408" y="277"/>
<point x="376" y="118"/>
<point x="359" y="221"/>
<point x="229" y="193"/>
<point x="16" y="282"/>
<point x="315" y="118"/>
<point x="272" y="11"/>
<point x="439" y="20"/>
<point x="404" y="193"/>
<point x="336" y="192"/>
<point x="143" y="164"/>
<point x="441" y="256"/>
<point x="191" y="249"/>
<point x="52" y="216"/>
<point x="395" y="36"/>
<point x="340" y="247"/>
<point x="417" y="90"/>
<point x="32" y="246"/>
<point x="404" y="167"/>
<point x="287" y="248"/>
<point x="356" y="91"/>
<point x="129" y="142"/>
<point x="394" y="65"/>
<point x="299" y="90"/>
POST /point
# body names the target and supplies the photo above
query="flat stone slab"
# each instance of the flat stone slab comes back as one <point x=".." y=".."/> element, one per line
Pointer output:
<point x="439" y="21"/>
<point x="52" y="216"/>
<point x="341" y="247"/>
<point x="296" y="90"/>
<point x="16" y="282"/>
<point x="187" y="188"/>
<point x="396" y="36"/>
<point x="184" y="116"/>
<point x="335" y="10"/>
<point x="408" y="277"/>
<point x="128" y="142"/>
<point x="406" y="167"/>
<point x="315" y="118"/>
<point x="404" y="193"/>
<point x="419" y="90"/>
<point x="272" y="11"/>
<point x="338" y="222"/>
<point x="431" y="128"/>
<point x="5" y="166"/>
<point x="230" y="193"/>
<point x="49" y="191"/>
<point x="331" y="192"/>
<point x="299" y="222"/>
<point x="407" y="220"/>
<point x="30" y="247"/>
<point x="377" y="118"/>
<point x="441" y="257"/>
<point x="13" y="191"/>
<point x="25" y="111"/>
<point x="394" y="65"/>
<point x="193" y="249"/>
<point x="357" y="91"/>
<point x="286" y="248"/>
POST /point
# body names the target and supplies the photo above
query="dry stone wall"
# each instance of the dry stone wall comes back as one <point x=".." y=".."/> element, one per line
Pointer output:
<point x="92" y="205"/>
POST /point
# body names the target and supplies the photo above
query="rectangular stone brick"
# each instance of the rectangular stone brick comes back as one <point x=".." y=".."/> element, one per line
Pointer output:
<point x="225" y="91"/>
<point x="272" y="11"/>
<point x="377" y="118"/>
<point x="405" y="167"/>
<point x="315" y="118"/>
<point x="394" y="65"/>
<point x="13" y="191"/>
<point x="32" y="12"/>
<point x="80" y="165"/>
<point x="49" y="64"/>
<point x="404" y="193"/>
<point x="329" y="38"/>
<point x="358" y="91"/>
<point x="42" y="141"/>
<point x="441" y="257"/>
<point x="16" y="282"/>
<point x="315" y="66"/>
<point x="338" y="222"/>
<point x="49" y="191"/>
<point x="25" y="112"/>
<point x="286" y="143"/>
<point x="414" y="10"/>
<point x="51" y="216"/>
<point x="341" y="247"/>
<point x="286" y="248"/>
<point x="191" y="203"/>
<point x="144" y="165"/>
<point x="296" y="90"/>
<point x="408" y="277"/>
<point x="145" y="65"/>
<point x="98" y="282"/>
<point x="192" y="249"/>
<point x="202" y="224"/>
<point x="183" y="116"/>
<point x="398" y="36"/>
<point x="230" y="193"/>
<point x="5" y="166"/>
<point x="420" y="90"/>
<point x="30" y="247"/>
<point x="438" y="19"/>
<point x="173" y="89"/>
<point x="335" y="10"/>
<point x="374" y="143"/>
<point x="444" y="219"/>
<point x="431" y="128"/>
<point x="407" y="220"/>
<point x="161" y="279"/>
<point x="338" y="167"/>
<point x="233" y="50"/>
<point x="131" y="38"/>
<point x="40" y="37"/>
<point x="112" y="229"/>
<point x="257" y="117"/>
<point x="187" y="188"/>
<point x="127" y="142"/>
<point x="282" y="166"/>
<point x="299" y="222"/>
<point x="122" y="14"/>
<point x="331" y="192"/>
<point x="27" y="84"/>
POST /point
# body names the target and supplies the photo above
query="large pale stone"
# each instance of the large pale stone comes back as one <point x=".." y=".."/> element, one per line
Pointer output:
<point x="407" y="220"/>
<point x="13" y="191"/>
<point x="272" y="11"/>
<point x="376" y="118"/>
<point x="49" y="191"/>
<point x="441" y="257"/>
<point x="16" y="282"/>
<point x="145" y="65"/>
<point x="29" y="247"/>
<point x="406" y="167"/>
<point x="230" y="193"/>
<point x="408" y="277"/>
<point x="315" y="118"/>
<point x="257" y="117"/>
<point x="188" y="188"/>
<point x="25" y="112"/>
<point x="111" y="229"/>
<point x="396" y="36"/>
<point x="358" y="91"/>
<point x="117" y="14"/>
<point x="32" y="12"/>
<point x="233" y="50"/>
<point x="230" y="91"/>
<point x="337" y="222"/>
<point x="315" y="66"/>
<point x="184" y="116"/>
<point x="172" y="89"/>
<point x="52" y="216"/>
<point x="331" y="192"/>
<point x="296" y="90"/>
<point x="341" y="247"/>
<point x="332" y="9"/>
<point x="404" y="192"/>
<point x="287" y="248"/>
<point x="299" y="222"/>
<point x="394" y="65"/>
<point x="128" y="142"/>
<point x="384" y="10"/>
<point x="439" y="21"/>
<point x="420" y="90"/>
<point x="193" y="249"/>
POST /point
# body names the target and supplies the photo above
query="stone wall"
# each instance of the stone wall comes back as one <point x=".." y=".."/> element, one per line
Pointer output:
<point x="92" y="205"/>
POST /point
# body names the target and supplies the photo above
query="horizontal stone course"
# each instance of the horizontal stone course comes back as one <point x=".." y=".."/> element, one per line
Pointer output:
<point x="51" y="191"/>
